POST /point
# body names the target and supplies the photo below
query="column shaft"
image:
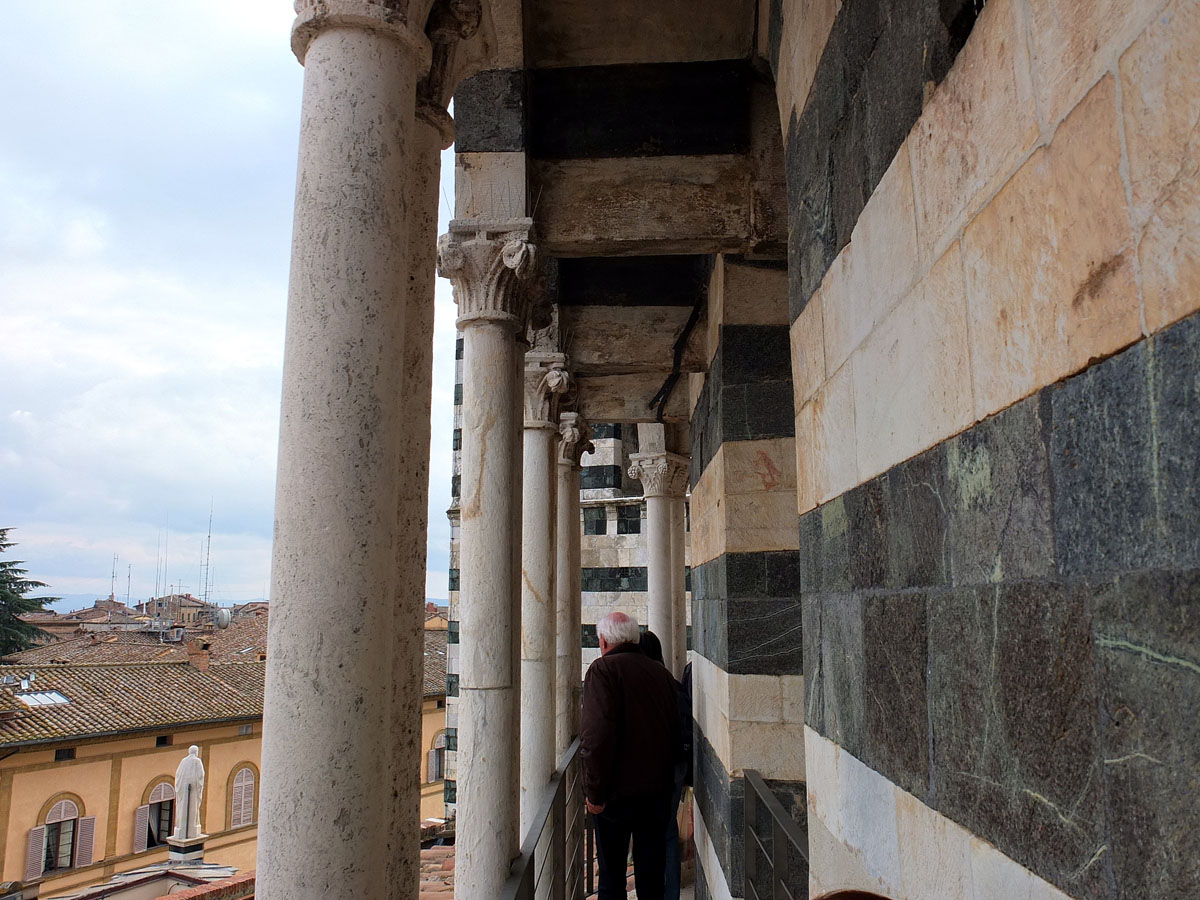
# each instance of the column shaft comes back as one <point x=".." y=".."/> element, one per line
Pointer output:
<point x="538" y="620"/>
<point x="487" y="836"/>
<point x="327" y="731"/>
<point x="568" y="673"/>
<point x="659" y="599"/>
<point x="408" y="631"/>
<point x="678" y="658"/>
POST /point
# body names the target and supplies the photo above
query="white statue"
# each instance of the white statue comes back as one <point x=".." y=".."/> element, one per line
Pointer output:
<point x="189" y="788"/>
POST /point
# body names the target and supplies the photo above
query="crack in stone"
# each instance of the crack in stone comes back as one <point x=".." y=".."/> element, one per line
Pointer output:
<point x="1128" y="757"/>
<point x="1147" y="653"/>
<point x="1065" y="818"/>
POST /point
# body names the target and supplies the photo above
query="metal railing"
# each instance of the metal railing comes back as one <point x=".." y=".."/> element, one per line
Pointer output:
<point x="776" y="846"/>
<point x="553" y="856"/>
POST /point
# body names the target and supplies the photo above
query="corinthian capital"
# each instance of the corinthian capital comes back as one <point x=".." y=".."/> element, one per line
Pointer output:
<point x="576" y="437"/>
<point x="546" y="380"/>
<point x="388" y="17"/>
<point x="488" y="264"/>
<point x="661" y="474"/>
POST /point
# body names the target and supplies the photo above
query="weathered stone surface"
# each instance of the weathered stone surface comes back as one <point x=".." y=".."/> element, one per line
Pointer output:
<point x="918" y="540"/>
<point x="978" y="124"/>
<point x="1101" y="461"/>
<point x="581" y="33"/>
<point x="1176" y="398"/>
<point x="1039" y="308"/>
<point x="834" y="451"/>
<point x="1074" y="41"/>
<point x="867" y="535"/>
<point x="489" y="112"/>
<point x="841" y="657"/>
<point x="912" y="377"/>
<point x="998" y="498"/>
<point x="489" y="185"/>
<point x="808" y="351"/>
<point x="1147" y="633"/>
<point x="894" y="703"/>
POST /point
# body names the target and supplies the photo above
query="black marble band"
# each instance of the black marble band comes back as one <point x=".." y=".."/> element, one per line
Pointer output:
<point x="1008" y="625"/>
<point x="866" y="96"/>
<point x="746" y="612"/>
<point x="747" y="395"/>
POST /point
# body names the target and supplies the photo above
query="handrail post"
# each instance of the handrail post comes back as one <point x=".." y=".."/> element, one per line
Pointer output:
<point x="558" y="842"/>
<point x="779" y="859"/>
<point x="749" y="841"/>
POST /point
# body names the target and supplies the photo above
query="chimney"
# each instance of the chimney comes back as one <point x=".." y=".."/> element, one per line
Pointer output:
<point x="198" y="654"/>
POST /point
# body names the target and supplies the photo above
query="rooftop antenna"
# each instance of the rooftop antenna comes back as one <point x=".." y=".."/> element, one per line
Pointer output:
<point x="113" y="588"/>
<point x="207" y="583"/>
<point x="128" y="582"/>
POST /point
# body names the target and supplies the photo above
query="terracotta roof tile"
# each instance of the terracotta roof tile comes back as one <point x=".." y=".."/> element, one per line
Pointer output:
<point x="435" y="663"/>
<point x="115" y="698"/>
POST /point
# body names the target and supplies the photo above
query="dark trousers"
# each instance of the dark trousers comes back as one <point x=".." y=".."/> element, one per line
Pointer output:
<point x="644" y="819"/>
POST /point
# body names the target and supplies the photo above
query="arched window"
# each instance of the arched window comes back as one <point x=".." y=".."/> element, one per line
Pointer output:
<point x="152" y="822"/>
<point x="63" y="841"/>
<point x="437" y="759"/>
<point x="241" y="804"/>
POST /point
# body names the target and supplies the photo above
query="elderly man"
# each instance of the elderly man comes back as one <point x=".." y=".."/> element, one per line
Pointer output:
<point x="629" y="744"/>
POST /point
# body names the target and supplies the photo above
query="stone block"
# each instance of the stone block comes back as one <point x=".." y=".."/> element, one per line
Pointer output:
<point x="835" y="546"/>
<point x="755" y="698"/>
<point x="1013" y="711"/>
<point x="1176" y="399"/>
<point x="489" y="112"/>
<point x="753" y="354"/>
<point x="912" y="380"/>
<point x="808" y="351"/>
<point x="774" y="749"/>
<point x="489" y="185"/>
<point x="834" y="452"/>
<point x="754" y="292"/>
<point x="841" y="661"/>
<point x="996" y="877"/>
<point x="806" y="490"/>
<point x="1039" y="307"/>
<point x="918" y="540"/>
<point x="1101" y="461"/>
<point x="764" y="637"/>
<point x="760" y="466"/>
<point x="894" y="705"/>
<point x="813" y="699"/>
<point x="1147" y="631"/>
<point x="758" y="522"/>
<point x="867" y="534"/>
<point x="866" y="817"/>
<point x="979" y="123"/>
<point x="998" y="499"/>
<point x="935" y="853"/>
<point x="1075" y="41"/>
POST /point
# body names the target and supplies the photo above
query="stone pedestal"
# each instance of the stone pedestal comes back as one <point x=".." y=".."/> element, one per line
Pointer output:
<point x="568" y="672"/>
<point x="186" y="849"/>
<point x="327" y="728"/>
<point x="664" y="479"/>
<point x="486" y="263"/>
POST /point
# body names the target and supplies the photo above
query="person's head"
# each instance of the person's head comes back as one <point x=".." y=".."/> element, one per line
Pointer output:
<point x="651" y="646"/>
<point x="193" y="750"/>
<point x="617" y="628"/>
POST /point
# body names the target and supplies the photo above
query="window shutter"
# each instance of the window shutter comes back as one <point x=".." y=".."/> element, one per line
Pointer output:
<point x="141" y="825"/>
<point x="61" y="811"/>
<point x="35" y="856"/>
<point x="162" y="792"/>
<point x="85" y="841"/>
<point x="236" y="816"/>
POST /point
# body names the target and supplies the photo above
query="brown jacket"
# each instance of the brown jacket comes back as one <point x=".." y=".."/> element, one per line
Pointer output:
<point x="630" y="736"/>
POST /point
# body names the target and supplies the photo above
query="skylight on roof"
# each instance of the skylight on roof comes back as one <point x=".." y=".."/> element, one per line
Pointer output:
<point x="42" y="698"/>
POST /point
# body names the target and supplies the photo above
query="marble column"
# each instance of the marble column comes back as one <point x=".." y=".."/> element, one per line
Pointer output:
<point x="664" y="477"/>
<point x="432" y="132"/>
<point x="327" y="725"/>
<point x="545" y="381"/>
<point x="678" y="591"/>
<point x="575" y="442"/>
<point x="487" y="264"/>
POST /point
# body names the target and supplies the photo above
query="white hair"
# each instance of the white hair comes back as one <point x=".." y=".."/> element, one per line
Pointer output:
<point x="618" y="628"/>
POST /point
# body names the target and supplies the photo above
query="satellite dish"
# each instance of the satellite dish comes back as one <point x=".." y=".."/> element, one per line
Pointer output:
<point x="224" y="617"/>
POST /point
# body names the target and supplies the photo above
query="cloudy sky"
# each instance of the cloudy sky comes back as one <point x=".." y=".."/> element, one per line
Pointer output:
<point x="147" y="167"/>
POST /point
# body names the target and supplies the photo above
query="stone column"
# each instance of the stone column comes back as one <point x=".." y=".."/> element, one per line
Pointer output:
<point x="432" y="132"/>
<point x="327" y="735"/>
<point x="486" y="263"/>
<point x="678" y="591"/>
<point x="664" y="477"/>
<point x="545" y="381"/>
<point x="569" y="671"/>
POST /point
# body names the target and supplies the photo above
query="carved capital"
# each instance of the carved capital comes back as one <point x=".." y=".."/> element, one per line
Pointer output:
<point x="388" y="17"/>
<point x="576" y="437"/>
<point x="546" y="380"/>
<point x="488" y="263"/>
<point x="661" y="474"/>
